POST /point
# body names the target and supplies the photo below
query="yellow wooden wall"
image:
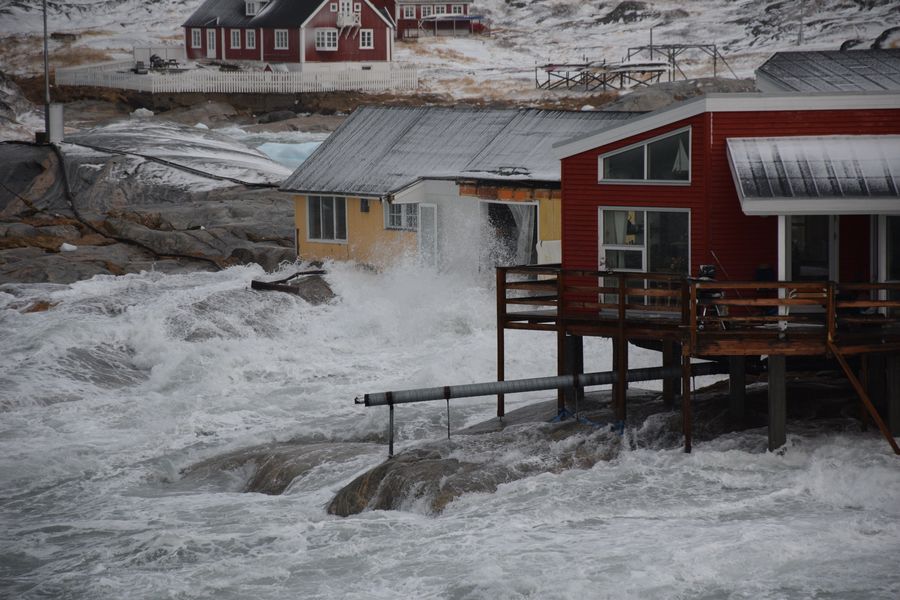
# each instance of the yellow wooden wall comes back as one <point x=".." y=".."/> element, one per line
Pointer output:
<point x="367" y="242"/>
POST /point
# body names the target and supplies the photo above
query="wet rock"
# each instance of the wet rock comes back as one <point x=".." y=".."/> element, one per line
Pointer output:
<point x="268" y="256"/>
<point x="270" y="469"/>
<point x="275" y="116"/>
<point x="315" y="290"/>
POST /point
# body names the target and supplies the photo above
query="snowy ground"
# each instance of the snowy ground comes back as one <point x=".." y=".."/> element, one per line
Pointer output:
<point x="524" y="34"/>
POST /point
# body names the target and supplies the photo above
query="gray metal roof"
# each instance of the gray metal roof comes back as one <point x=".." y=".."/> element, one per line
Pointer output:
<point x="841" y="174"/>
<point x="831" y="71"/>
<point x="379" y="151"/>
<point x="232" y="13"/>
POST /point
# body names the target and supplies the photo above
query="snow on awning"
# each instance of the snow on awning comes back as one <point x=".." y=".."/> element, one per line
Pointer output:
<point x="817" y="175"/>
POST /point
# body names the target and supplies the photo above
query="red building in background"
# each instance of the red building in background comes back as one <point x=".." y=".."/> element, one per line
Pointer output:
<point x="298" y="32"/>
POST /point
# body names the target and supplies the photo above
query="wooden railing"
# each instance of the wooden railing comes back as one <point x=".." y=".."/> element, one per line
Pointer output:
<point x="713" y="316"/>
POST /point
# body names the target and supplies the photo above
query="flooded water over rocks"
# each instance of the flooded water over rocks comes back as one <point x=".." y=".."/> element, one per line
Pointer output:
<point x="147" y="432"/>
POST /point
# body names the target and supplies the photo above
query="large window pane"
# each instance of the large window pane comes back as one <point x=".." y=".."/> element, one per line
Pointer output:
<point x="669" y="159"/>
<point x="669" y="242"/>
<point x="628" y="164"/>
<point x="327" y="218"/>
<point x="315" y="218"/>
<point x="809" y="247"/>
<point x="340" y="218"/>
<point x="623" y="227"/>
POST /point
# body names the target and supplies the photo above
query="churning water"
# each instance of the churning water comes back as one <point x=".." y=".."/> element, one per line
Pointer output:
<point x="108" y="396"/>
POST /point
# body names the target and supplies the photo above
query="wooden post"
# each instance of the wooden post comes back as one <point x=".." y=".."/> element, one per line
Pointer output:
<point x="574" y="366"/>
<point x="670" y="359"/>
<point x="777" y="402"/>
<point x="893" y="393"/>
<point x="621" y="354"/>
<point x="501" y="336"/>
<point x="560" y="339"/>
<point x="737" y="386"/>
<point x="686" y="425"/>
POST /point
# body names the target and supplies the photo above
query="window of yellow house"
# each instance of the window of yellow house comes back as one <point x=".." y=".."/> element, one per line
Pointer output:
<point x="327" y="218"/>
<point x="402" y="216"/>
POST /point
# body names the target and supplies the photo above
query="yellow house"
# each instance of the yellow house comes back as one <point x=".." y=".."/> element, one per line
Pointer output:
<point x="459" y="187"/>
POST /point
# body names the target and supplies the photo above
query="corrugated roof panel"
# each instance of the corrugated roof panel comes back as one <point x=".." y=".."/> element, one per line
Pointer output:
<point x="818" y="167"/>
<point x="379" y="151"/>
<point x="827" y="71"/>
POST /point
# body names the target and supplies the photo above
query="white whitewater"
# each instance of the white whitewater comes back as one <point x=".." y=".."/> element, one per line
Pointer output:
<point x="106" y="397"/>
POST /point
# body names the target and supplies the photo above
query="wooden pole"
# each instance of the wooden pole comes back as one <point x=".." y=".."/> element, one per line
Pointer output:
<point x="892" y="392"/>
<point x="686" y="425"/>
<point x="777" y="401"/>
<point x="669" y="384"/>
<point x="737" y="386"/>
<point x="621" y="353"/>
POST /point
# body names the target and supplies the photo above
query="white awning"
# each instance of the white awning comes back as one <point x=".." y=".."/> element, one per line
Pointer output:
<point x="817" y="175"/>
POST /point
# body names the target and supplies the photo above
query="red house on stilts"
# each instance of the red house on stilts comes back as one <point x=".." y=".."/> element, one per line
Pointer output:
<point x="793" y="199"/>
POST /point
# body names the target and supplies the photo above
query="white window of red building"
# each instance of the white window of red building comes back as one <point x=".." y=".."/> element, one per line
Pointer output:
<point x="235" y="38"/>
<point x="426" y="11"/>
<point x="196" y="38"/>
<point x="281" y="39"/>
<point x="457" y="9"/>
<point x="366" y="39"/>
<point x="440" y="9"/>
<point x="409" y="12"/>
<point x="251" y="39"/>
<point x="326" y="39"/>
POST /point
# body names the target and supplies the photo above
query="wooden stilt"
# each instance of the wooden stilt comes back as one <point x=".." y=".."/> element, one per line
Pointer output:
<point x="777" y="402"/>
<point x="892" y="392"/>
<point x="621" y="388"/>
<point x="501" y="336"/>
<point x="686" y="417"/>
<point x="560" y="364"/>
<point x="574" y="366"/>
<point x="670" y="359"/>
<point x="737" y="386"/>
<point x="864" y="397"/>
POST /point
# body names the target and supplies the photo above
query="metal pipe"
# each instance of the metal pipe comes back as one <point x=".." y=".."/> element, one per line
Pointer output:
<point x="512" y="386"/>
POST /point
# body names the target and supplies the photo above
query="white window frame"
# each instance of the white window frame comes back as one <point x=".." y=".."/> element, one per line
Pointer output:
<point x="409" y="11"/>
<point x="401" y="217"/>
<point x="439" y="9"/>
<point x="251" y="39"/>
<point x="196" y="38"/>
<point x="251" y="9"/>
<point x="426" y="10"/>
<point x="644" y="248"/>
<point x="287" y="39"/>
<point x="235" y="39"/>
<point x="457" y="9"/>
<point x="326" y="39"/>
<point x="309" y="215"/>
<point x="645" y="144"/>
<point x="357" y="7"/>
<point x="333" y="7"/>
<point x="364" y="43"/>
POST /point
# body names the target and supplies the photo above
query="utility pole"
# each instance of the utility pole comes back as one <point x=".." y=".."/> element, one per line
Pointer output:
<point x="46" y="79"/>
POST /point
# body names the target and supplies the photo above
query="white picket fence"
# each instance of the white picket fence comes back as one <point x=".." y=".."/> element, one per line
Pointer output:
<point x="118" y="75"/>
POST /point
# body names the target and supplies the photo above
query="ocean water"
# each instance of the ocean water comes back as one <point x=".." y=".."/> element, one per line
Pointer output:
<point x="108" y="396"/>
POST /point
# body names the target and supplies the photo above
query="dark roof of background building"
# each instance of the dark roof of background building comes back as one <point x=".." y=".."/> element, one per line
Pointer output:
<point x="831" y="71"/>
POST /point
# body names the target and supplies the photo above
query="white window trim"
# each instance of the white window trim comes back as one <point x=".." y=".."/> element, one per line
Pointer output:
<point x="335" y="240"/>
<point x="457" y="9"/>
<point x="409" y="11"/>
<point x="439" y="9"/>
<point x="251" y="9"/>
<point x="371" y="34"/>
<point x="235" y="35"/>
<point x="357" y="7"/>
<point x="287" y="39"/>
<point x="429" y="10"/>
<point x="646" y="143"/>
<point x="405" y="209"/>
<point x="333" y="7"/>
<point x="325" y="31"/>
<point x="251" y="39"/>
<point x="643" y="249"/>
<point x="196" y="38"/>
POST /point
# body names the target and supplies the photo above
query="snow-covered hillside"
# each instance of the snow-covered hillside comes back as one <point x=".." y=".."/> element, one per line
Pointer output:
<point x="525" y="33"/>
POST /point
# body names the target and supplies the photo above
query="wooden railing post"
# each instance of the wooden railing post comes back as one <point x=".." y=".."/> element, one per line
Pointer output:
<point x="830" y="311"/>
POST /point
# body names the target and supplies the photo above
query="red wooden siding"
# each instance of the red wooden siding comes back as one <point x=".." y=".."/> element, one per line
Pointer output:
<point x="242" y="53"/>
<point x="348" y="40"/>
<point x="719" y="229"/>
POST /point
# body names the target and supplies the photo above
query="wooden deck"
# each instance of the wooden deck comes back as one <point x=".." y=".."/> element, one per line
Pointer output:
<point x="699" y="319"/>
